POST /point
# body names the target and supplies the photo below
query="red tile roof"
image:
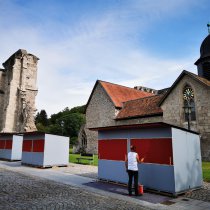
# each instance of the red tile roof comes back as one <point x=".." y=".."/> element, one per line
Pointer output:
<point x="120" y="94"/>
<point x="141" y="107"/>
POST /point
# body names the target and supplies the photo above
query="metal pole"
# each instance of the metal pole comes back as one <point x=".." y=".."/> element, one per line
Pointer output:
<point x="188" y="120"/>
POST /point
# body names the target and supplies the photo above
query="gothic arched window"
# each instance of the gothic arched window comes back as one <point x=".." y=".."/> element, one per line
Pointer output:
<point x="189" y="101"/>
<point x="84" y="139"/>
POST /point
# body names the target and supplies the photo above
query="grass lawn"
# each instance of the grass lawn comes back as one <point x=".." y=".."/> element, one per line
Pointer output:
<point x="206" y="171"/>
<point x="72" y="159"/>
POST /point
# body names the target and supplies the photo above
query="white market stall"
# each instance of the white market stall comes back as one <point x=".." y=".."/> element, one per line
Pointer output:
<point x="45" y="150"/>
<point x="172" y="156"/>
<point x="11" y="146"/>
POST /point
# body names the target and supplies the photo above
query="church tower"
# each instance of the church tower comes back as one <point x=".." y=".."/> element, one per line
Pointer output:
<point x="17" y="92"/>
<point x="203" y="63"/>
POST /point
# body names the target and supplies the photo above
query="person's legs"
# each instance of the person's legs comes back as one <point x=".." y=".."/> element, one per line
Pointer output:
<point x="136" y="182"/>
<point x="130" y="174"/>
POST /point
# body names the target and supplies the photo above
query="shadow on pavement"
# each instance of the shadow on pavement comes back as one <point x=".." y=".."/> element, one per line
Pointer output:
<point x="122" y="190"/>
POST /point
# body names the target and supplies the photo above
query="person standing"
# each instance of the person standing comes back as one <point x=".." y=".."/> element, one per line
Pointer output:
<point x="131" y="162"/>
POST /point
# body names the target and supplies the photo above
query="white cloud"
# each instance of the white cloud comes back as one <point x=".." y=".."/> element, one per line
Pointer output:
<point x="95" y="49"/>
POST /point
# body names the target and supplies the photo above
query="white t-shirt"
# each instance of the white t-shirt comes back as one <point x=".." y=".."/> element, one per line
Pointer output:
<point x="132" y="161"/>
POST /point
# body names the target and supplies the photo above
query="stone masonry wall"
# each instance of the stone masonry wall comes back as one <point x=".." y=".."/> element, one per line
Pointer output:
<point x="173" y="111"/>
<point x="99" y="113"/>
<point x="2" y="81"/>
<point x="92" y="141"/>
<point x="11" y="92"/>
<point x="18" y="109"/>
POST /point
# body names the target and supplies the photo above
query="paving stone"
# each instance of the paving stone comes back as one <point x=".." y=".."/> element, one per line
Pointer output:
<point x="202" y="194"/>
<point x="18" y="191"/>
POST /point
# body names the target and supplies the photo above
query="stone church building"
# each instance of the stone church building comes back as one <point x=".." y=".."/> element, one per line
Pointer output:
<point x="17" y="92"/>
<point x="185" y="104"/>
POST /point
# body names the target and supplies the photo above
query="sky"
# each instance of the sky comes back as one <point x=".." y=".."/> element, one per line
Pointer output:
<point x="127" y="42"/>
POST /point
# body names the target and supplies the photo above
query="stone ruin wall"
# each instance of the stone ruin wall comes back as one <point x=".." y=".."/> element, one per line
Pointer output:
<point x="19" y="87"/>
<point x="1" y="94"/>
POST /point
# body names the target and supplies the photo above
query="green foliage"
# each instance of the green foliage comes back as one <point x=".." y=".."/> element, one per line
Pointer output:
<point x="206" y="171"/>
<point x="67" y="111"/>
<point x="41" y="127"/>
<point x="41" y="117"/>
<point x="72" y="123"/>
<point x="78" y="109"/>
<point x="74" y="140"/>
<point x="66" y="122"/>
<point x="55" y="129"/>
<point x="54" y="117"/>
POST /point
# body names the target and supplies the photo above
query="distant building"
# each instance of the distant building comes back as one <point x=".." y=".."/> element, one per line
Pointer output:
<point x="17" y="92"/>
<point x="112" y="105"/>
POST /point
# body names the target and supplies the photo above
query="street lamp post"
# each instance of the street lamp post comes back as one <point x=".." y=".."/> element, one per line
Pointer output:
<point x="187" y="110"/>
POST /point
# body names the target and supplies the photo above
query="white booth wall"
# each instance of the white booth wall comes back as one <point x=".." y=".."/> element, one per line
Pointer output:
<point x="45" y="150"/>
<point x="187" y="160"/>
<point x="12" y="146"/>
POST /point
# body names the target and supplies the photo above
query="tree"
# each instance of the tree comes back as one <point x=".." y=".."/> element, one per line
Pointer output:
<point x="54" y="117"/>
<point x="55" y="129"/>
<point x="73" y="140"/>
<point x="42" y="128"/>
<point x="42" y="118"/>
<point x="72" y="123"/>
<point x="78" y="109"/>
<point x="66" y="122"/>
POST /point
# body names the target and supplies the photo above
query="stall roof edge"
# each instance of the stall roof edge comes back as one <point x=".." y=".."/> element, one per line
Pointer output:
<point x="33" y="132"/>
<point x="40" y="132"/>
<point x="145" y="125"/>
<point x="27" y="133"/>
<point x="10" y="133"/>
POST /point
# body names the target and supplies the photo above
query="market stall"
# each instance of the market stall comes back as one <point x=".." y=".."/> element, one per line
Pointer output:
<point x="45" y="150"/>
<point x="11" y="146"/>
<point x="172" y="157"/>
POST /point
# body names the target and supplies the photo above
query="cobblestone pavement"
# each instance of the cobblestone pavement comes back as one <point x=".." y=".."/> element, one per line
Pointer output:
<point x="202" y="194"/>
<point x="18" y="191"/>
